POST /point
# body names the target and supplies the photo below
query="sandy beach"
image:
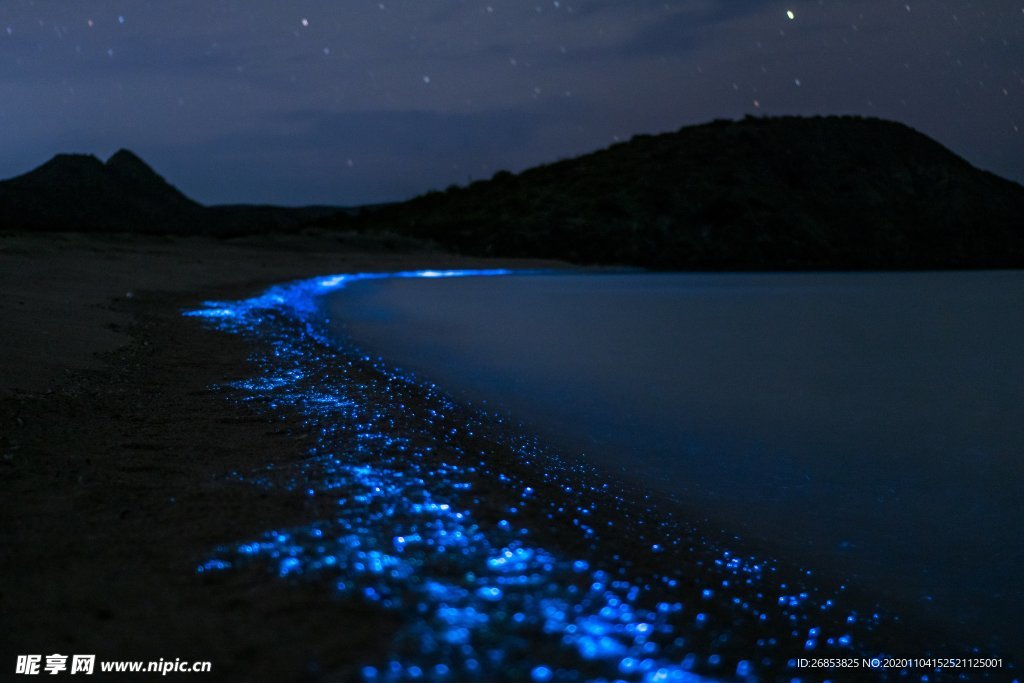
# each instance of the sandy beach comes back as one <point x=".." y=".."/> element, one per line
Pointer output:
<point x="114" y="449"/>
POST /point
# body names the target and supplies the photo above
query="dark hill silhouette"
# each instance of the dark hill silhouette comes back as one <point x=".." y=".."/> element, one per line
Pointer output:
<point x="80" y="193"/>
<point x="142" y="182"/>
<point x="772" y="193"/>
<point x="778" y="193"/>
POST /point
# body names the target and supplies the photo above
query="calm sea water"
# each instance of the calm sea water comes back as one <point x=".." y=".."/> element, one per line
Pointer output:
<point x="868" y="425"/>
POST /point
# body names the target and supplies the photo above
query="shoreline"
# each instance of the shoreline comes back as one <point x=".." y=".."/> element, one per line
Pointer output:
<point x="388" y="439"/>
<point x="565" y="355"/>
<point x="114" y="452"/>
<point x="114" y="499"/>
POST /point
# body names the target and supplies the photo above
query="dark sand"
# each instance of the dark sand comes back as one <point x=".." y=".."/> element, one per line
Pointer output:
<point x="113" y="451"/>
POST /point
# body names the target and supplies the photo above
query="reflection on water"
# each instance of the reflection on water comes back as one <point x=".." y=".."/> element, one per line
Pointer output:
<point x="870" y="424"/>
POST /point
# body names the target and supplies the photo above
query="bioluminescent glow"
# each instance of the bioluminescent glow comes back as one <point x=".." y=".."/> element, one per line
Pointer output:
<point x="505" y="561"/>
<point x="302" y="294"/>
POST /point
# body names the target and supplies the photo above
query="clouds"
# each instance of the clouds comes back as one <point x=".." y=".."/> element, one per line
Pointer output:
<point x="427" y="93"/>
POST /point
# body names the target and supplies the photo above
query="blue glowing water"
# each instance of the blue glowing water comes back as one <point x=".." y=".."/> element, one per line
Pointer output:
<point x="871" y="424"/>
<point x="504" y="560"/>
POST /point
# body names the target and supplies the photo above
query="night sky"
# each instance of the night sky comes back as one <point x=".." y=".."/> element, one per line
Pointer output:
<point x="358" y="101"/>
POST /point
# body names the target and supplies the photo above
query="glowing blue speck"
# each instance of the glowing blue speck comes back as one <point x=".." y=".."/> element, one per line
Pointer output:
<point x="541" y="674"/>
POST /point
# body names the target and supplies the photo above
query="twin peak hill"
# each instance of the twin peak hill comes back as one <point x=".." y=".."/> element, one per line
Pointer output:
<point x="758" y="194"/>
<point x="80" y="193"/>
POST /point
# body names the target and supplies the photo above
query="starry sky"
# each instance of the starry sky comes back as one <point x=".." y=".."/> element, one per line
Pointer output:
<point x="360" y="101"/>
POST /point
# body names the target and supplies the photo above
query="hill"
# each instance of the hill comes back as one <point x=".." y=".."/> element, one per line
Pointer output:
<point x="761" y="193"/>
<point x="80" y="193"/>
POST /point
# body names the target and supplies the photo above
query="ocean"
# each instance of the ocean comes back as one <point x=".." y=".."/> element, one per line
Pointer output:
<point x="868" y="425"/>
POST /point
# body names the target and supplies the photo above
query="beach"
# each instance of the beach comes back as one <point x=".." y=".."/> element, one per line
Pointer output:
<point x="291" y="511"/>
<point x="114" y="451"/>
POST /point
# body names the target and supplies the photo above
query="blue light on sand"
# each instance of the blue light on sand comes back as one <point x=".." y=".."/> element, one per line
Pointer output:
<point x="490" y="547"/>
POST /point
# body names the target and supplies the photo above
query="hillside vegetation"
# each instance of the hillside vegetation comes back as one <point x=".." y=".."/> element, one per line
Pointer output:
<point x="790" y="193"/>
